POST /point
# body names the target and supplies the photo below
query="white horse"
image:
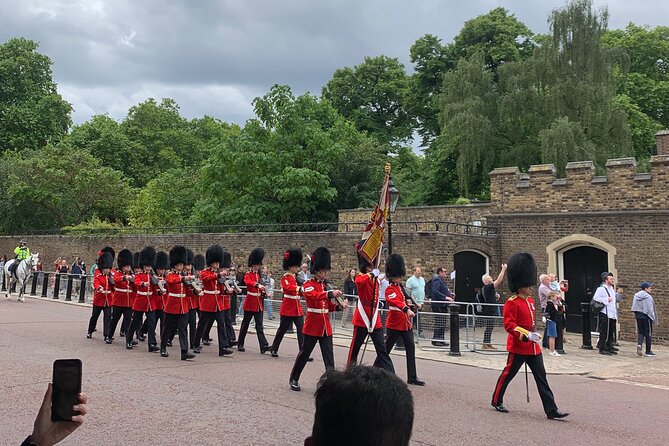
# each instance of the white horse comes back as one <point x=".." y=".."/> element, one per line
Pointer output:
<point x="22" y="272"/>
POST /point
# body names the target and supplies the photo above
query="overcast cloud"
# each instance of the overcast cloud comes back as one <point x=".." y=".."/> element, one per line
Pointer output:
<point x="214" y="57"/>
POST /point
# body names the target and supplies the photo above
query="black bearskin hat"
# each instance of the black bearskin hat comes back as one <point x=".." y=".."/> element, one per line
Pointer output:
<point x="521" y="271"/>
<point x="106" y="261"/>
<point x="135" y="261"/>
<point x="178" y="254"/>
<point x="124" y="258"/>
<point x="190" y="257"/>
<point x="320" y="259"/>
<point x="362" y="263"/>
<point x="162" y="260"/>
<point x="292" y="257"/>
<point x="108" y="249"/>
<point x="147" y="256"/>
<point x="227" y="260"/>
<point x="198" y="262"/>
<point x="256" y="257"/>
<point x="214" y="254"/>
<point x="395" y="268"/>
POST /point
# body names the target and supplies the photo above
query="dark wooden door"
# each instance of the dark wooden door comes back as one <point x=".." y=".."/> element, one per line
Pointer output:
<point x="470" y="266"/>
<point x="583" y="267"/>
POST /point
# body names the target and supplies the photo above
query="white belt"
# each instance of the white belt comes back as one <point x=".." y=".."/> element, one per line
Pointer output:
<point x="395" y="308"/>
<point x="318" y="310"/>
<point x="144" y="293"/>
<point x="105" y="292"/>
<point x="211" y="292"/>
<point x="248" y="293"/>
<point x="123" y="290"/>
<point x="291" y="297"/>
<point x="176" y="295"/>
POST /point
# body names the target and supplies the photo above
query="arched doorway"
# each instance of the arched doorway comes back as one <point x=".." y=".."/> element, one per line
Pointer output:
<point x="470" y="266"/>
<point x="582" y="266"/>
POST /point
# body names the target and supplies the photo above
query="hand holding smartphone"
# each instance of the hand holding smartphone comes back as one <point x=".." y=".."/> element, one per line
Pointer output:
<point x="66" y="389"/>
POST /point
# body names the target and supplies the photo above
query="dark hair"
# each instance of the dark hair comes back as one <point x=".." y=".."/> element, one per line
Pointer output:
<point x="440" y="269"/>
<point x="358" y="395"/>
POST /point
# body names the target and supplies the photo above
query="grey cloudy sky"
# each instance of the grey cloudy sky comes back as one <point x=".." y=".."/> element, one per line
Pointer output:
<point x="214" y="57"/>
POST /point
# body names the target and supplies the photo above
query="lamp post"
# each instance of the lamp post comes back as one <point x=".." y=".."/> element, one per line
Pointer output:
<point x="394" y="196"/>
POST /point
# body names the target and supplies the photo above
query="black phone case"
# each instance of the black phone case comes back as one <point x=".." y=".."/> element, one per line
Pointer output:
<point x="65" y="389"/>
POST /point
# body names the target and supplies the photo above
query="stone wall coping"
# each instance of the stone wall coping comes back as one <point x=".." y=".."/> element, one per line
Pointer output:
<point x="659" y="159"/>
<point x="570" y="214"/>
<point x="542" y="168"/>
<point x="439" y="206"/>
<point x="505" y="171"/>
<point x="621" y="162"/>
<point x="580" y="165"/>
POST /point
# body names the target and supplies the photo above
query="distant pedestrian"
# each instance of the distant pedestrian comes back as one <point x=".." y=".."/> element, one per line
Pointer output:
<point x="551" y="320"/>
<point x="350" y="292"/>
<point x="608" y="316"/>
<point x="643" y="307"/>
<point x="304" y="274"/>
<point x="441" y="295"/>
<point x="490" y="310"/>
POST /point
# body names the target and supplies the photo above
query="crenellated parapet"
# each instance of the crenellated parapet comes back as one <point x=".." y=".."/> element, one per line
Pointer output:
<point x="581" y="190"/>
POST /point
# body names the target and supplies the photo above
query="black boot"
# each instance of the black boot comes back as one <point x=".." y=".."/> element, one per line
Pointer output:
<point x="185" y="356"/>
<point x="164" y="353"/>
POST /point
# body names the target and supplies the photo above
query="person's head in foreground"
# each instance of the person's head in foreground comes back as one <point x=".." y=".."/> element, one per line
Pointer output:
<point x="377" y="407"/>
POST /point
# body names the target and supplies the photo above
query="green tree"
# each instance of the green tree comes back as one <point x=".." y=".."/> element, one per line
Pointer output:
<point x="32" y="113"/>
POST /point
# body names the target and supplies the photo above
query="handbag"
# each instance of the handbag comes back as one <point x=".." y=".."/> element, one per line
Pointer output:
<point x="595" y="305"/>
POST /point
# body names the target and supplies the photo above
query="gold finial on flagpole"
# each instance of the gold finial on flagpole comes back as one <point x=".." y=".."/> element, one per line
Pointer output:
<point x="387" y="168"/>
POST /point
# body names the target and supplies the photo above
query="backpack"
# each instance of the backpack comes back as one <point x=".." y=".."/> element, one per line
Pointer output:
<point x="428" y="289"/>
<point x="596" y="306"/>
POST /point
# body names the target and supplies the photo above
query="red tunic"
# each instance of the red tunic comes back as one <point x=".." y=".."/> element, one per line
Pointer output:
<point x="518" y="319"/>
<point x="317" y="321"/>
<point x="291" y="296"/>
<point x="123" y="290"/>
<point x="156" y="299"/>
<point x="254" y="298"/>
<point x="176" y="302"/>
<point x="143" y="293"/>
<point x="193" y="299"/>
<point x="397" y="305"/>
<point x="212" y="299"/>
<point x="368" y="296"/>
<point x="102" y="298"/>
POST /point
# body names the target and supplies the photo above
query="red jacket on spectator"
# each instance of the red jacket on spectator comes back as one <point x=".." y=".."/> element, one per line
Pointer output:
<point x="397" y="306"/>
<point x="291" y="296"/>
<point x="254" y="297"/>
<point x="177" y="302"/>
<point x="317" y="321"/>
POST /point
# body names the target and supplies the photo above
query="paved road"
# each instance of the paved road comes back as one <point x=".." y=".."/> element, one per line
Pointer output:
<point x="245" y="399"/>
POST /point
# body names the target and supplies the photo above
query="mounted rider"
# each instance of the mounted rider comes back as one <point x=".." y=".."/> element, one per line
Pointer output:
<point x="21" y="252"/>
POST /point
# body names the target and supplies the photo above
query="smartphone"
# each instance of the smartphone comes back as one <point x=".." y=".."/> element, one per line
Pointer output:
<point x="66" y="389"/>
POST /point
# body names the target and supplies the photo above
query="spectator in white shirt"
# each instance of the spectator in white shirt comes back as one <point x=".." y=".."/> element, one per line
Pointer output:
<point x="608" y="316"/>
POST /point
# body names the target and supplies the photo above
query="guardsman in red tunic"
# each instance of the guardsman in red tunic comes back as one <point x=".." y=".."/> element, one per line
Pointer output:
<point x="367" y="318"/>
<point x="176" y="308"/>
<point x="111" y="251"/>
<point x="253" y="304"/>
<point x="400" y="315"/>
<point x="102" y="286"/>
<point x="291" y="310"/>
<point x="142" y="304"/>
<point x="124" y="282"/>
<point x="523" y="341"/>
<point x="158" y="290"/>
<point x="320" y="301"/>
<point x="193" y="296"/>
<point x="212" y="302"/>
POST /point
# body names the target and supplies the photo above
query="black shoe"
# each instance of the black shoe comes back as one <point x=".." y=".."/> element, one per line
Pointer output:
<point x="310" y="360"/>
<point x="440" y="343"/>
<point x="134" y="342"/>
<point x="614" y="349"/>
<point x="108" y="340"/>
<point x="399" y="347"/>
<point x="206" y="342"/>
<point x="294" y="385"/>
<point x="153" y="349"/>
<point x="224" y="352"/>
<point x="605" y="352"/>
<point x="556" y="414"/>
<point x="196" y="350"/>
<point x="186" y="356"/>
<point x="416" y="382"/>
<point x="264" y="349"/>
<point x="89" y="335"/>
<point x="122" y="334"/>
<point x="233" y="343"/>
<point x="612" y="352"/>
<point x="291" y="331"/>
<point x="169" y="343"/>
<point x="128" y="345"/>
<point x="240" y="348"/>
<point x="164" y="353"/>
<point x="562" y="352"/>
<point x="500" y="408"/>
<point x="141" y="337"/>
<point x="274" y="353"/>
<point x="209" y="340"/>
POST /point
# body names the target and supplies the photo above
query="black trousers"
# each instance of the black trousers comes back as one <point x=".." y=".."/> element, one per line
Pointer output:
<point x="487" y="334"/>
<point x="135" y="326"/>
<point x="607" y="332"/>
<point x="644" y="327"/>
<point x="192" y="326"/>
<point x="559" y="340"/>
<point x="229" y="317"/>
<point x="536" y="364"/>
<point x="117" y="312"/>
<point x="206" y="319"/>
<point x="409" y="348"/>
<point x="106" y="319"/>
<point x="257" y="316"/>
<point x="327" y="351"/>
<point x="382" y="358"/>
<point x="159" y="315"/>
<point x="175" y="323"/>
<point x="439" y="320"/>
<point x="285" y="323"/>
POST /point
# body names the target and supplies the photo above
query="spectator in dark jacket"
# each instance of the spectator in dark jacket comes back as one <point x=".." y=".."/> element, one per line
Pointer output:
<point x="441" y="295"/>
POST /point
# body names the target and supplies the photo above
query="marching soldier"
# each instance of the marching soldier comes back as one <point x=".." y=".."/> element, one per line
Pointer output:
<point x="142" y="304"/>
<point x="111" y="252"/>
<point x="123" y="291"/>
<point x="400" y="316"/>
<point x="253" y="304"/>
<point x="158" y="292"/>
<point x="523" y="341"/>
<point x="320" y="301"/>
<point x="291" y="310"/>
<point x="176" y="307"/>
<point x="193" y="298"/>
<point x="102" y="286"/>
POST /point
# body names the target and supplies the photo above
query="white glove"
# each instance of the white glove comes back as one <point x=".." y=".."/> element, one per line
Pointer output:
<point x="376" y="272"/>
<point x="543" y="319"/>
<point x="534" y="337"/>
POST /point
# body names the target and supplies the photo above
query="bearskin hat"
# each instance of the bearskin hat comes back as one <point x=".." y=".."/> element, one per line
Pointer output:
<point x="135" y="261"/>
<point x="108" y="249"/>
<point x="395" y="267"/>
<point x="178" y="254"/>
<point x="320" y="259"/>
<point x="190" y="256"/>
<point x="106" y="261"/>
<point x="227" y="260"/>
<point x="521" y="271"/>
<point x="147" y="256"/>
<point x="362" y="263"/>
<point x="162" y="260"/>
<point x="124" y="258"/>
<point x="256" y="257"/>
<point x="214" y="254"/>
<point x="198" y="262"/>
<point x="292" y="257"/>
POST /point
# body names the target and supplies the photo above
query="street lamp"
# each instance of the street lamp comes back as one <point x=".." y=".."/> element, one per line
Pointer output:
<point x="394" y="196"/>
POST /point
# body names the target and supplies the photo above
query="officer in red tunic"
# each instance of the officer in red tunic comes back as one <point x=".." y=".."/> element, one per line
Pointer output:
<point x="523" y="341"/>
<point x="366" y="318"/>
<point x="320" y="301"/>
<point x="212" y="302"/>
<point x="400" y="315"/>
<point x="102" y="286"/>
<point x="176" y="307"/>
<point x="291" y="310"/>
<point x="253" y="304"/>
<point x="142" y="304"/>
<point x="123" y="291"/>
